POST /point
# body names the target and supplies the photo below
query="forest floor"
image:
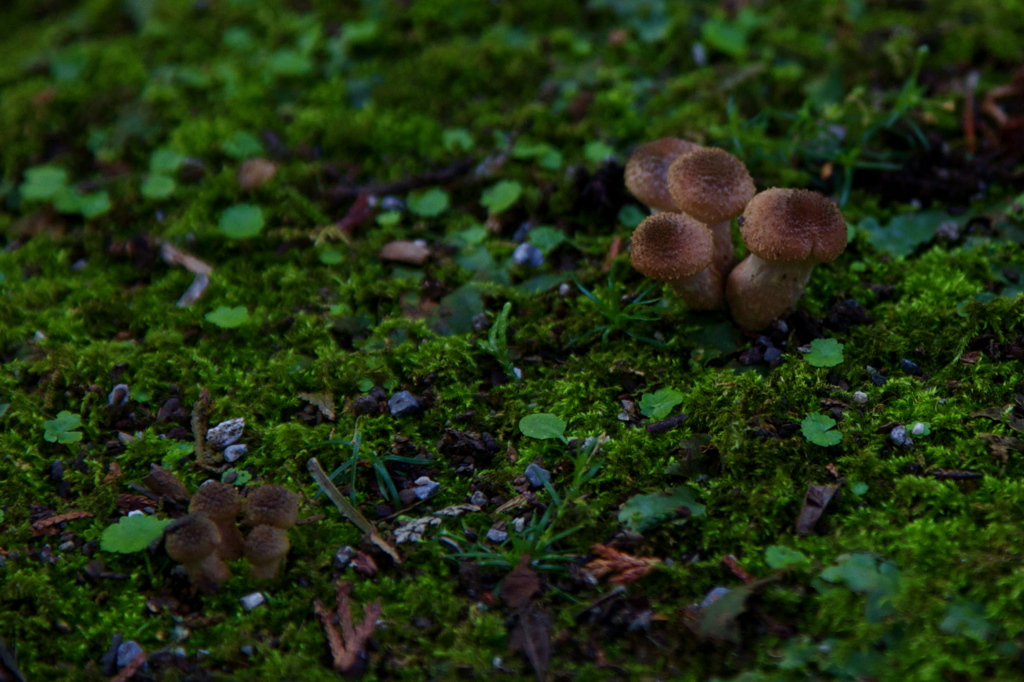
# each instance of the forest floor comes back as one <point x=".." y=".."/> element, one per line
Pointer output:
<point x="392" y="237"/>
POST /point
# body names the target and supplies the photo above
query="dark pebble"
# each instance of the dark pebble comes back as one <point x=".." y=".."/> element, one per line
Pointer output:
<point x="537" y="476"/>
<point x="403" y="404"/>
<point x="911" y="367"/>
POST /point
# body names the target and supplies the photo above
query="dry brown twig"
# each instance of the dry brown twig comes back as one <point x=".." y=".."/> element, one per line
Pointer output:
<point x="347" y="645"/>
<point x="623" y="568"/>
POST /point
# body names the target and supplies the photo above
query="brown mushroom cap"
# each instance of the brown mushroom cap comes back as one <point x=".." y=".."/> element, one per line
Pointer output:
<point x="647" y="171"/>
<point x="671" y="246"/>
<point x="266" y="548"/>
<point x="710" y="184"/>
<point x="271" y="505"/>
<point x="793" y="225"/>
<point x="191" y="538"/>
<point x="217" y="500"/>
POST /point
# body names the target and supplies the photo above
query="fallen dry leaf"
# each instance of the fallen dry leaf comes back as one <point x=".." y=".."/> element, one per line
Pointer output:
<point x="51" y="521"/>
<point x="324" y="402"/>
<point x="622" y="568"/>
<point x="815" y="501"/>
<point x="348" y="645"/>
<point x="404" y="251"/>
<point x="164" y="483"/>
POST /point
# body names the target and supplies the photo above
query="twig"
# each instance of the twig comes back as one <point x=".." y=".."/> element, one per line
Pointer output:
<point x="350" y="643"/>
<point x="348" y="510"/>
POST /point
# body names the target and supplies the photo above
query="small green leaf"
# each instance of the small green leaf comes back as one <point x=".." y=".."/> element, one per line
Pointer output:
<point x="42" y="183"/>
<point x="825" y="353"/>
<point x="165" y="161"/>
<point x="631" y="215"/>
<point x="457" y="139"/>
<point x="641" y="513"/>
<point x="241" y="477"/>
<point x="157" y="186"/>
<point x="228" y="318"/>
<point x="967" y="618"/>
<point x="174" y="454"/>
<point x="860" y="488"/>
<point x="545" y="238"/>
<point x="364" y="385"/>
<point x="816" y="429"/>
<point x="388" y="218"/>
<point x="132" y="533"/>
<point x="241" y="221"/>
<point x="659" y="404"/>
<point x="501" y="196"/>
<point x="782" y="558"/>
<point x="904" y="233"/>
<point x="330" y="256"/>
<point x="241" y="145"/>
<point x="542" y="426"/>
<point x="94" y="204"/>
<point x="3" y="408"/>
<point x="428" y="204"/>
<point x="597" y="151"/>
<point x="62" y="428"/>
<point x="547" y="156"/>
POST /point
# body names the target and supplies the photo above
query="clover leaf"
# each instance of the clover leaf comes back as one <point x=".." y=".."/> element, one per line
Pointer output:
<point x="228" y="318"/>
<point x="816" y="429"/>
<point x="428" y="204"/>
<point x="501" y="196"/>
<point x="781" y="558"/>
<point x="132" y="533"/>
<point x="657" y="405"/>
<point x="241" y="220"/>
<point x="62" y="428"/>
<point x="825" y="353"/>
<point x="542" y="426"/>
<point x="641" y="513"/>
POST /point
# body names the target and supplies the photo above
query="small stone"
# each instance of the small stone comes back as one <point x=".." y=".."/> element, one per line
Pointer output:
<point x="425" y="487"/>
<point x="917" y="429"/>
<point x="876" y="378"/>
<point x="343" y="557"/>
<point x="66" y="546"/>
<point x="127" y="652"/>
<point x="495" y="535"/>
<point x="247" y="650"/>
<point x="860" y="397"/>
<point x="80" y="264"/>
<point x="478" y="498"/>
<point x="564" y="289"/>
<point x="714" y="595"/>
<point x="226" y="433"/>
<point x="233" y="453"/>
<point x="403" y="404"/>
<point x="910" y="367"/>
<point x="537" y="476"/>
<point x="392" y="203"/>
<point x="529" y="255"/>
<point x="480" y="322"/>
<point x="251" y="601"/>
<point x="772" y="354"/>
<point x="364" y="404"/>
<point x="405" y="251"/>
<point x="407" y="496"/>
<point x="118" y="395"/>
<point x="255" y="172"/>
<point x="899" y="436"/>
<point x="518" y="524"/>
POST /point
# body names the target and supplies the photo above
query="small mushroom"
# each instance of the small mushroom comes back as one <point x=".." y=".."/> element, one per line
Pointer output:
<point x="713" y="186"/>
<point x="271" y="505"/>
<point x="192" y="541"/>
<point x="221" y="503"/>
<point x="677" y="249"/>
<point x="647" y="171"/>
<point x="788" y="232"/>
<point x="266" y="548"/>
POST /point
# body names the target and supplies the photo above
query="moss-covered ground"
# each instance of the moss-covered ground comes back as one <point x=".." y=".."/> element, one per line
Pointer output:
<point x="123" y="124"/>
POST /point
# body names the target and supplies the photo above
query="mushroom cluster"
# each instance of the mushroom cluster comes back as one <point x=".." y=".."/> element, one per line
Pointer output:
<point x="209" y="535"/>
<point x="694" y="193"/>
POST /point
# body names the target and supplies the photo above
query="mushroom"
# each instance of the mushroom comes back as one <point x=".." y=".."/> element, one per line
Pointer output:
<point x="265" y="548"/>
<point x="221" y="503"/>
<point x="788" y="232"/>
<point x="713" y="186"/>
<point x="677" y="249"/>
<point x="192" y="541"/>
<point x="271" y="505"/>
<point x="647" y="171"/>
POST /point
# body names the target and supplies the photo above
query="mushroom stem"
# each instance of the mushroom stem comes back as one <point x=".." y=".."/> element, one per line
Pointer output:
<point x="759" y="291"/>
<point x="721" y="258"/>
<point x="702" y="291"/>
<point x="208" y="572"/>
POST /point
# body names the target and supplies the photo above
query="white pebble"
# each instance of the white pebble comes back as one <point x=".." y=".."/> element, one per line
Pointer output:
<point x="251" y="601"/>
